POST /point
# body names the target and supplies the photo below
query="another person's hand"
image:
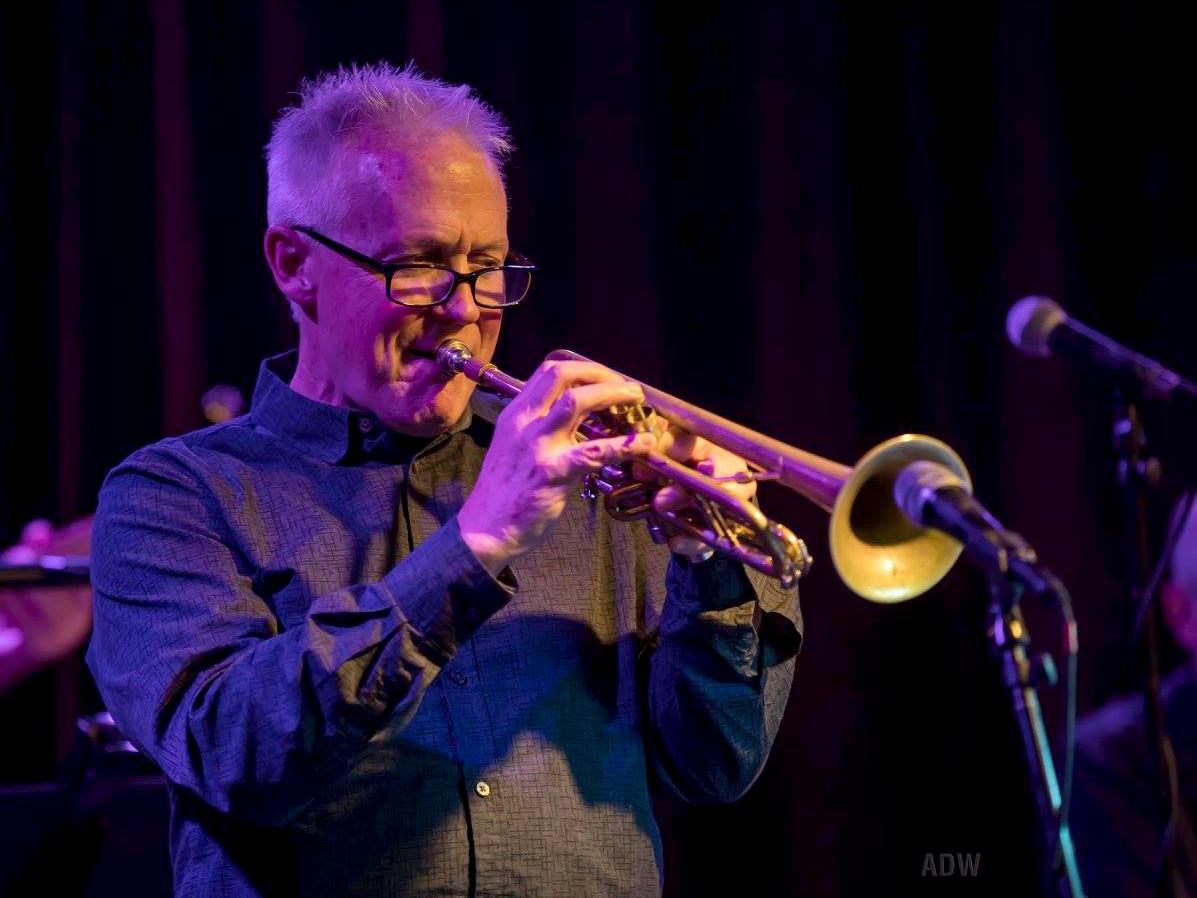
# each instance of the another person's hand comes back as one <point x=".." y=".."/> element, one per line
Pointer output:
<point x="41" y="626"/>
<point x="534" y="461"/>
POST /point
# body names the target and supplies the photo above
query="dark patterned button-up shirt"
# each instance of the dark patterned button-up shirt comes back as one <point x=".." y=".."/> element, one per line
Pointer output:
<point x="345" y="702"/>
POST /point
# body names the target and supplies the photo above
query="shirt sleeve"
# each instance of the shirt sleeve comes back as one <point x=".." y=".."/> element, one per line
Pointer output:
<point x="197" y="671"/>
<point x="720" y="677"/>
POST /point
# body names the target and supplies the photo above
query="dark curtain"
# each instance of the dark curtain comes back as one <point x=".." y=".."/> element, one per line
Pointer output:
<point x="811" y="217"/>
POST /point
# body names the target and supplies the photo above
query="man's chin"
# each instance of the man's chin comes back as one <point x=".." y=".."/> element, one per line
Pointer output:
<point x="429" y="418"/>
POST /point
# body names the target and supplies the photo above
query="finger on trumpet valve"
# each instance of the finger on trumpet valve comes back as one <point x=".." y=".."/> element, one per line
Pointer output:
<point x="629" y="418"/>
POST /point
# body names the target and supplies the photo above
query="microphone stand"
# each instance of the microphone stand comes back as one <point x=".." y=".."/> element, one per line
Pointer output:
<point x="1021" y="674"/>
<point x="1012" y="568"/>
<point x="1138" y="474"/>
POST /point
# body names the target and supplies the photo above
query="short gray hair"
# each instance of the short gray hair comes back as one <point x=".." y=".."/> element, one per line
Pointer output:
<point x="301" y="155"/>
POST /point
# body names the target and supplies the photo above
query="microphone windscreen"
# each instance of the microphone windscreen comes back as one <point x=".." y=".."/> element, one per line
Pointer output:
<point x="919" y="481"/>
<point x="1030" y="322"/>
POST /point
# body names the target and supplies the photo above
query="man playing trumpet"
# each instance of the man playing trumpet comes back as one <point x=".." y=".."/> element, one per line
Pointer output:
<point x="376" y="647"/>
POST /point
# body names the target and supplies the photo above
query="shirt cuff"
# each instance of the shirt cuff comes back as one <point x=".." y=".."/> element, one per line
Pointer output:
<point x="724" y="597"/>
<point x="444" y="591"/>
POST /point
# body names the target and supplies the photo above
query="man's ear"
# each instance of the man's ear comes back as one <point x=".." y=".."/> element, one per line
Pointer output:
<point x="290" y="261"/>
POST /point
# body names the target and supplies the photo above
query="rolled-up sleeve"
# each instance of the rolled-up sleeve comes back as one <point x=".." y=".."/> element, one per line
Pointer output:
<point x="720" y="677"/>
<point x="252" y="717"/>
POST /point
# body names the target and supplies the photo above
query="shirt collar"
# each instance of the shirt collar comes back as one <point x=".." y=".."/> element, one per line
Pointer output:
<point x="331" y="433"/>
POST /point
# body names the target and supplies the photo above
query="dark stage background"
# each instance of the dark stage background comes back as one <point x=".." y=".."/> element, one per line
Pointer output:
<point x="810" y="217"/>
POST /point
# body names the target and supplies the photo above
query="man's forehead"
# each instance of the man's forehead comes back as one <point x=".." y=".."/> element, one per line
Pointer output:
<point x="445" y="156"/>
<point x="407" y="195"/>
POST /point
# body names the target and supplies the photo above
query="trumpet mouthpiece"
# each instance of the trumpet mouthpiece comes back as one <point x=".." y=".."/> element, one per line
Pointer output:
<point x="453" y="355"/>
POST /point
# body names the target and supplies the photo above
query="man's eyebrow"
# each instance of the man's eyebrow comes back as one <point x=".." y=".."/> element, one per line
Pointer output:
<point x="411" y="245"/>
<point x="420" y="245"/>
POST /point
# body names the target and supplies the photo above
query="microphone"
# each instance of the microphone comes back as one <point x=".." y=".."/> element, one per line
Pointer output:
<point x="1038" y="326"/>
<point x="931" y="495"/>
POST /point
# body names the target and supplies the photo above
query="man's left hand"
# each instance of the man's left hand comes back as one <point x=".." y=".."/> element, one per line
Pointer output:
<point x="709" y="459"/>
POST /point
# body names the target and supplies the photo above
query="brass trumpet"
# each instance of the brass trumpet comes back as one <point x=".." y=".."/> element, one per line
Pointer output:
<point x="876" y="551"/>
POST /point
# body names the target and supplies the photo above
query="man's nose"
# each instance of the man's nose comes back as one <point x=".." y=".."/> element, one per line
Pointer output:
<point x="460" y="306"/>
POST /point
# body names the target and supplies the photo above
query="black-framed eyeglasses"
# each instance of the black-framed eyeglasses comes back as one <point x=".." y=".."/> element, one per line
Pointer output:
<point x="423" y="284"/>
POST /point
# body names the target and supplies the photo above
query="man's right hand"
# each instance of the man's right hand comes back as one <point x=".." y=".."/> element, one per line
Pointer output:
<point x="534" y="459"/>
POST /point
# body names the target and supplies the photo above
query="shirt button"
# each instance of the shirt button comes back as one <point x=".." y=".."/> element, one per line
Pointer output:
<point x="482" y="788"/>
<point x="458" y="678"/>
<point x="365" y="425"/>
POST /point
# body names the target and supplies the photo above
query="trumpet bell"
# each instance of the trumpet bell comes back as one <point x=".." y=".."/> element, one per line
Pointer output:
<point x="877" y="552"/>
